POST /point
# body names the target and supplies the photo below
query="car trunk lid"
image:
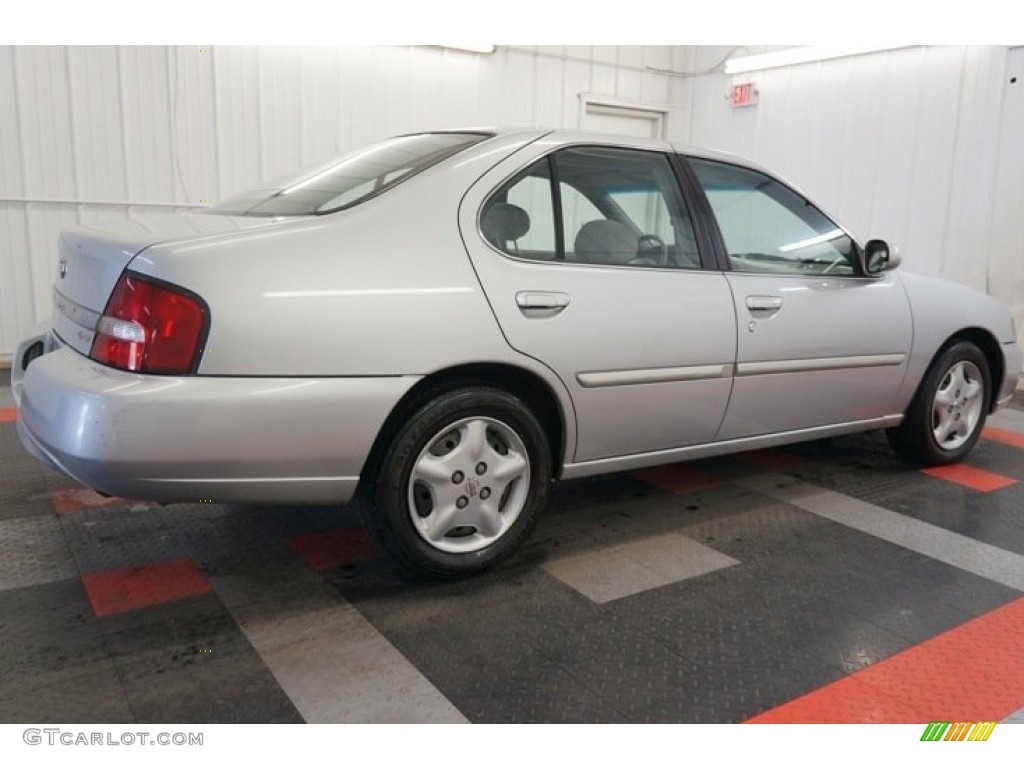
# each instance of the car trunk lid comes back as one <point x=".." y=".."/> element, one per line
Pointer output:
<point x="93" y="257"/>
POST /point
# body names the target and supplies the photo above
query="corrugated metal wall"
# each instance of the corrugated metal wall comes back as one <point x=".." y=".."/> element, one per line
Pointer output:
<point x="96" y="132"/>
<point x="912" y="145"/>
<point x="919" y="145"/>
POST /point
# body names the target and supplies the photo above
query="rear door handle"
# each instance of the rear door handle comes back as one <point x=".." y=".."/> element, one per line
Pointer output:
<point x="763" y="306"/>
<point x="542" y="302"/>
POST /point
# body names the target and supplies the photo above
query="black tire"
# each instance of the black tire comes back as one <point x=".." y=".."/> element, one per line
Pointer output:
<point x="916" y="438"/>
<point x="404" y="505"/>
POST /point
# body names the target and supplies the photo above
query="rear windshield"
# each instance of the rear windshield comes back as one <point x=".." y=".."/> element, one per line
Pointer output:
<point x="348" y="180"/>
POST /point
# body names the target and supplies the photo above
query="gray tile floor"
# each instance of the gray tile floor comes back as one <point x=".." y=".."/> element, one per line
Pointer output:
<point x="629" y="603"/>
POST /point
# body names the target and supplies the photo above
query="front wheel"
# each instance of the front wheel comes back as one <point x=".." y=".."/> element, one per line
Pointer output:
<point x="462" y="483"/>
<point x="947" y="414"/>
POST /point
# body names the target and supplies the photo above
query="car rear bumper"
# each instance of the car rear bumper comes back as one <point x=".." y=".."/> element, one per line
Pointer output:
<point x="202" y="438"/>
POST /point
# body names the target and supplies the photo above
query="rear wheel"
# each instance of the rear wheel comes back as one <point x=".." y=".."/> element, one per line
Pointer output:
<point x="462" y="483"/>
<point x="947" y="414"/>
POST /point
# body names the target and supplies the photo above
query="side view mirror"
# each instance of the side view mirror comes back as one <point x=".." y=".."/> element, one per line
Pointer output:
<point x="880" y="257"/>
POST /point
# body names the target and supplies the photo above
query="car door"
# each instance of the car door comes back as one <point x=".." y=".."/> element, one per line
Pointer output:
<point x="589" y="258"/>
<point x="819" y="342"/>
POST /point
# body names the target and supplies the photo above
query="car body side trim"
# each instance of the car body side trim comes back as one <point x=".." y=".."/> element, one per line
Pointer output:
<point x="653" y="375"/>
<point x="706" y="450"/>
<point x="819" y="364"/>
<point x="591" y="379"/>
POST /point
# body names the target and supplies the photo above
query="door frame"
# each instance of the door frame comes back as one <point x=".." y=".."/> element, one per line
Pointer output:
<point x="597" y="104"/>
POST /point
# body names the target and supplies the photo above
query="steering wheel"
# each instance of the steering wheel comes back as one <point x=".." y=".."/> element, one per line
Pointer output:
<point x="647" y="243"/>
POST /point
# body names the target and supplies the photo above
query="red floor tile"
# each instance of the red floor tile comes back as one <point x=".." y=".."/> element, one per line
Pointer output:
<point x="75" y="499"/>
<point x="333" y="549"/>
<point x="130" y="589"/>
<point x="1004" y="436"/>
<point x="8" y="414"/>
<point x="970" y="477"/>
<point x="970" y="673"/>
<point x="849" y="700"/>
<point x="676" y="478"/>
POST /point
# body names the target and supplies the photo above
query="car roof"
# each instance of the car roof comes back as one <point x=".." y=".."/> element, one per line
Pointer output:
<point x="570" y="136"/>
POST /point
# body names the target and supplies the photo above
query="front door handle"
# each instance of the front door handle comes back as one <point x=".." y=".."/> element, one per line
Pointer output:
<point x="542" y="302"/>
<point x="763" y="306"/>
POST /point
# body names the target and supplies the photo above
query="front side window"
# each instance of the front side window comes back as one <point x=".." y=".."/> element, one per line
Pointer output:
<point x="594" y="205"/>
<point x="349" y="180"/>
<point x="769" y="228"/>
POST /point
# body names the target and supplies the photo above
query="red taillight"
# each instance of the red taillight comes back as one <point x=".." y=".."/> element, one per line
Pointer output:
<point x="149" y="327"/>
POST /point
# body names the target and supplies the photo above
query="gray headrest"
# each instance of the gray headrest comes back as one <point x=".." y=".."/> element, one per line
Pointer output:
<point x="606" y="241"/>
<point x="502" y="222"/>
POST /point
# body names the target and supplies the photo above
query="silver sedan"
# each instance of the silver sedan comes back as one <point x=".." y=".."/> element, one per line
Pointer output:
<point x="441" y="324"/>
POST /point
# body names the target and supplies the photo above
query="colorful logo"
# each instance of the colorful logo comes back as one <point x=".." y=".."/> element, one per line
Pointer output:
<point x="939" y="731"/>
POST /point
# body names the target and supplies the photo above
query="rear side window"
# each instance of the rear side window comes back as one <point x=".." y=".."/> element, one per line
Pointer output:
<point x="349" y="180"/>
<point x="594" y="205"/>
<point x="520" y="219"/>
<point x="767" y="227"/>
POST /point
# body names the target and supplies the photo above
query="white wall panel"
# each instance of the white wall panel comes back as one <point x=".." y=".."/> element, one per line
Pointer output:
<point x="654" y="88"/>
<point x="12" y="178"/>
<point x="91" y="133"/>
<point x="937" y="106"/>
<point x="193" y="123"/>
<point x="97" y="135"/>
<point x="281" y="117"/>
<point x="576" y="80"/>
<point x="603" y="78"/>
<point x="1006" y="278"/>
<point x="549" y="98"/>
<point x="321" y="103"/>
<point x="237" y="84"/>
<point x="148" y="149"/>
<point x="606" y="54"/>
<point x="630" y="56"/>
<point x="17" y="296"/>
<point x="967" y="255"/>
<point x="629" y="84"/>
<point x="518" y="78"/>
<point x="45" y="121"/>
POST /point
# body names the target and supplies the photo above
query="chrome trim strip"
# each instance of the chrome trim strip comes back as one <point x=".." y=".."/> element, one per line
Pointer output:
<point x="76" y="313"/>
<point x="819" y="364"/>
<point x="653" y="375"/>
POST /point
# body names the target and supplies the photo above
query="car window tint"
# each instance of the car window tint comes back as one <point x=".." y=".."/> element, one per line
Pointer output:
<point x="618" y="206"/>
<point x="519" y="218"/>
<point x="646" y="209"/>
<point x="633" y="214"/>
<point x="576" y="209"/>
<point x="767" y="227"/>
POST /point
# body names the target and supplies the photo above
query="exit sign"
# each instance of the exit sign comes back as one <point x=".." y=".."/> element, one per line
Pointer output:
<point x="743" y="95"/>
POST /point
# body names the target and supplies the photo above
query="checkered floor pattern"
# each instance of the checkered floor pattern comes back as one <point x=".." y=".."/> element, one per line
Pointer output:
<point x="826" y="582"/>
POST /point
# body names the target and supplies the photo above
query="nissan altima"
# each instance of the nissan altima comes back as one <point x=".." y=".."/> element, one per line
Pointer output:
<point x="439" y="325"/>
